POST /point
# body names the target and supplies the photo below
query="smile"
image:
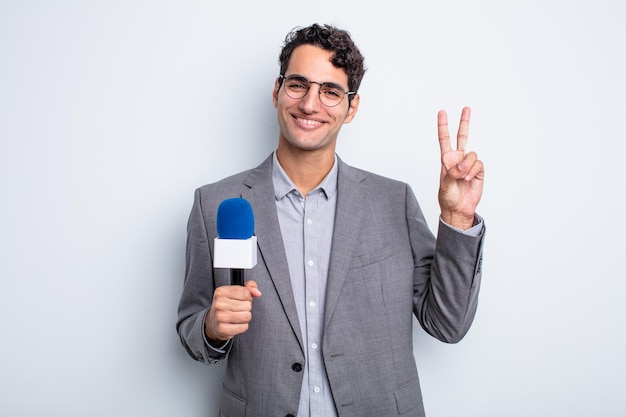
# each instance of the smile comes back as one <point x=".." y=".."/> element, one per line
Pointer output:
<point x="308" y="122"/>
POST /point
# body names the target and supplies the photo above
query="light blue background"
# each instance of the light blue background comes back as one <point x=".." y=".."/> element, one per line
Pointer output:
<point x="113" y="112"/>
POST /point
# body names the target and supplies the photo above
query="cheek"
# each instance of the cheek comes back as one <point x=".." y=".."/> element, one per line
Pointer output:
<point x="343" y="116"/>
<point x="279" y="101"/>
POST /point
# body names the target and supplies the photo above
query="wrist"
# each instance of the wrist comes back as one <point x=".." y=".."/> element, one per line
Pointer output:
<point x="457" y="220"/>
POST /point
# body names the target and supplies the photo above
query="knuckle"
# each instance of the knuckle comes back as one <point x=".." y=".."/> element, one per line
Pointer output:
<point x="219" y="317"/>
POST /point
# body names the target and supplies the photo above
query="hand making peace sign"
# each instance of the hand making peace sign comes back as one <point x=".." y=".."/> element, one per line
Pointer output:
<point x="462" y="174"/>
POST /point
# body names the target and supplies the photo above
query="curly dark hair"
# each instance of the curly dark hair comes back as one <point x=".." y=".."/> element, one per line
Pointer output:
<point x="346" y="54"/>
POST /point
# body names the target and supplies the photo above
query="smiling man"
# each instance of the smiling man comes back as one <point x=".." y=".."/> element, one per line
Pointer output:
<point x="323" y="325"/>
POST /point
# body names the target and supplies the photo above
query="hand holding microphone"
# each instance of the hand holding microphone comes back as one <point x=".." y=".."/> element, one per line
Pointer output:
<point x="234" y="248"/>
<point x="230" y="312"/>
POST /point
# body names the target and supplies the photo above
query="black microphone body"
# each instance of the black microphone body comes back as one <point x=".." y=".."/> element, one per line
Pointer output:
<point x="236" y="277"/>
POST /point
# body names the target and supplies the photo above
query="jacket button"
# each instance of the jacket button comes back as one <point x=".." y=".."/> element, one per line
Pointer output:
<point x="296" y="367"/>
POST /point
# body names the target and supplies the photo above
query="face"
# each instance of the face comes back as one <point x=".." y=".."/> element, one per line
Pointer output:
<point x="306" y="124"/>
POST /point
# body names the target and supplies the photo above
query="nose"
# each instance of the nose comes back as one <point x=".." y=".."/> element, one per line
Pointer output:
<point x="311" y="103"/>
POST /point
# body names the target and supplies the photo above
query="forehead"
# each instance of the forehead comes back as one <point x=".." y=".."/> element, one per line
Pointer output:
<point x="314" y="63"/>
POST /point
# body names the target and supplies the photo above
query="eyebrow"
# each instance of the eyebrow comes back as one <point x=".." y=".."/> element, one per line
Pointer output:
<point x="330" y="84"/>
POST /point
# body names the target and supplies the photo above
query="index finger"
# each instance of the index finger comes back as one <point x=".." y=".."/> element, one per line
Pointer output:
<point x="462" y="135"/>
<point x="442" y="131"/>
<point x="232" y="293"/>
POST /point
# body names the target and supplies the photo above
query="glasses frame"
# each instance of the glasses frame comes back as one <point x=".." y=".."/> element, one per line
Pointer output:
<point x="319" y="91"/>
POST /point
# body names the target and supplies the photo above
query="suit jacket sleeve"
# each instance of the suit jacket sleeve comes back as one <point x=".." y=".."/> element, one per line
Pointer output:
<point x="199" y="285"/>
<point x="446" y="286"/>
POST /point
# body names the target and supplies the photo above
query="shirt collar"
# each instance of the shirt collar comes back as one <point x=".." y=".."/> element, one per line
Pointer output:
<point x="283" y="184"/>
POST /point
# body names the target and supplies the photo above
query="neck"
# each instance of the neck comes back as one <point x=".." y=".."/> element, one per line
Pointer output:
<point x="305" y="169"/>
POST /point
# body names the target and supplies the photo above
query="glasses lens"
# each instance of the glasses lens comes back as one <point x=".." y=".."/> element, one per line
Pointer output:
<point x="331" y="94"/>
<point x="296" y="87"/>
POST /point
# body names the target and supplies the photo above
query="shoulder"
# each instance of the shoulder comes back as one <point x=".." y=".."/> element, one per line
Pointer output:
<point x="234" y="180"/>
<point x="370" y="179"/>
<point x="233" y="185"/>
<point x="387" y="194"/>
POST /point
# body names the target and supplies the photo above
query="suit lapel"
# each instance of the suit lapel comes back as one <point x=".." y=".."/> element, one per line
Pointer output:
<point x="260" y="194"/>
<point x="348" y="217"/>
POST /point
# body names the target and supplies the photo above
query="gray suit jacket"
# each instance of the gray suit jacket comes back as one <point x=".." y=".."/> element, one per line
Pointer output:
<point x="385" y="266"/>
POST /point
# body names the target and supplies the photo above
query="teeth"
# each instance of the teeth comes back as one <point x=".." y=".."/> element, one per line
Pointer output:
<point x="308" y="122"/>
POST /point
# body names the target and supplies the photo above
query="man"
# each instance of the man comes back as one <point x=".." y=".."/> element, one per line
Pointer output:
<point x="323" y="325"/>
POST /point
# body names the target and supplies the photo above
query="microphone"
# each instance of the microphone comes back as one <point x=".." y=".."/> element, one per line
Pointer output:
<point x="235" y="246"/>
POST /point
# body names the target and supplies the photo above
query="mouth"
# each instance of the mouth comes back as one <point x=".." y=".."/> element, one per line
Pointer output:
<point x="307" y="123"/>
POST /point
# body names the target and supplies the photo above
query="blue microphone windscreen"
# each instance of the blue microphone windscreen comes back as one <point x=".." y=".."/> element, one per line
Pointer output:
<point x="235" y="219"/>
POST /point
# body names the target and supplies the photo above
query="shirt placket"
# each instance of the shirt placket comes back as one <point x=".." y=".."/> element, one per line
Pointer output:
<point x="312" y="294"/>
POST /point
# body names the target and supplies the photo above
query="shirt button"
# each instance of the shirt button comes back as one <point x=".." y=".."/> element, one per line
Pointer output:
<point x="314" y="345"/>
<point x="312" y="304"/>
<point x="316" y="390"/>
<point x="296" y="367"/>
<point x="310" y="263"/>
<point x="309" y="221"/>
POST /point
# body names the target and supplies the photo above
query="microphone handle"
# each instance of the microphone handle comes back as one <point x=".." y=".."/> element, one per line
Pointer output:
<point x="236" y="277"/>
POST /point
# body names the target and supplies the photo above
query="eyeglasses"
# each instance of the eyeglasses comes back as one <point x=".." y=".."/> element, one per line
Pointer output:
<point x="297" y="86"/>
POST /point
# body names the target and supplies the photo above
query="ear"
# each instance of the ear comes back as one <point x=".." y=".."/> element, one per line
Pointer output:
<point x="275" y="92"/>
<point x="354" y="106"/>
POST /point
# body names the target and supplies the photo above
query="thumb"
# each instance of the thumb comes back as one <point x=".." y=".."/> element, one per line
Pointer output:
<point x="253" y="288"/>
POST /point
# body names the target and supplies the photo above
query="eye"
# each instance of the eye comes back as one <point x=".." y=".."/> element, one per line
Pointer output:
<point x="294" y="85"/>
<point x="297" y="84"/>
<point x="331" y="92"/>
